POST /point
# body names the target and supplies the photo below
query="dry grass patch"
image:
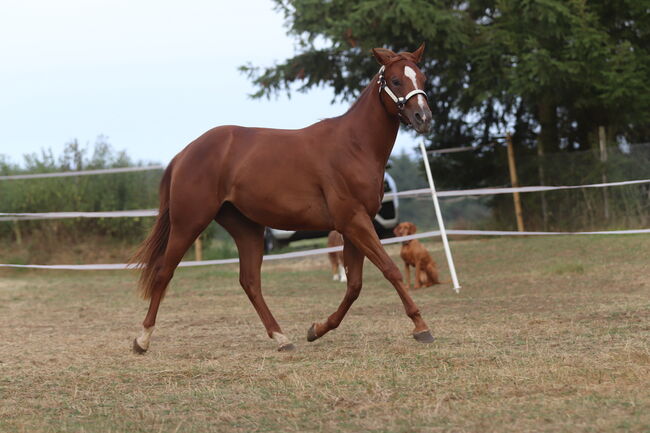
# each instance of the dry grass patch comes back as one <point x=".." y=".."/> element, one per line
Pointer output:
<point x="548" y="334"/>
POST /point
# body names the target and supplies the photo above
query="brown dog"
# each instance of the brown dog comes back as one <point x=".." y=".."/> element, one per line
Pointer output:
<point x="335" y="239"/>
<point x="414" y="254"/>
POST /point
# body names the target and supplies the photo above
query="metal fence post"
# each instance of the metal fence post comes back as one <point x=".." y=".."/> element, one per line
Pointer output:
<point x="441" y="224"/>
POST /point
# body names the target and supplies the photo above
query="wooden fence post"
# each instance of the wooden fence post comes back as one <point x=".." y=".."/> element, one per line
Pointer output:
<point x="198" y="249"/>
<point x="19" y="237"/>
<point x="542" y="181"/>
<point x="602" y="139"/>
<point x="515" y="183"/>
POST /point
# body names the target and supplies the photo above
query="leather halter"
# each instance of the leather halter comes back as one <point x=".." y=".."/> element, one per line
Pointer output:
<point x="400" y="101"/>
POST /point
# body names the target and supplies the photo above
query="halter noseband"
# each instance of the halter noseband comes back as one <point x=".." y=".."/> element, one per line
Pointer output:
<point x="400" y="101"/>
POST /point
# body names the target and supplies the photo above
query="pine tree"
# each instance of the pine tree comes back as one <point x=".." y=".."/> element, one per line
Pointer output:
<point x="552" y="71"/>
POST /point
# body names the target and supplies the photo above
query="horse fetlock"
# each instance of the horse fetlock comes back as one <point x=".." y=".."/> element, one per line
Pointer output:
<point x="413" y="314"/>
<point x="311" y="333"/>
<point x="331" y="324"/>
<point x="284" y="344"/>
<point x="144" y="339"/>
<point x="141" y="343"/>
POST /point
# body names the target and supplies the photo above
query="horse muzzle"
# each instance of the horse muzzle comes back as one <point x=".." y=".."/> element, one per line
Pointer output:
<point x="420" y="119"/>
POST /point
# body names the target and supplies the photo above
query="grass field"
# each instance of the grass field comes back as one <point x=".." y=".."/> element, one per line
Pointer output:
<point x="547" y="335"/>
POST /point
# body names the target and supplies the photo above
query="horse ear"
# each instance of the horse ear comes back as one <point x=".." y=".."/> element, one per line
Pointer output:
<point x="383" y="55"/>
<point x="417" y="54"/>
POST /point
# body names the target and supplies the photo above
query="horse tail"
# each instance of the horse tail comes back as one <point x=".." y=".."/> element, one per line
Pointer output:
<point x="153" y="248"/>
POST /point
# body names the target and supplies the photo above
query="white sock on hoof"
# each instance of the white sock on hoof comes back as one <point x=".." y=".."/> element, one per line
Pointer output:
<point x="342" y="276"/>
<point x="281" y="339"/>
<point x="145" y="338"/>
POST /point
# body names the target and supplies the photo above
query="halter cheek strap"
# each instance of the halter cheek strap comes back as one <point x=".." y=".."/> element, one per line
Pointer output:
<point x="400" y="101"/>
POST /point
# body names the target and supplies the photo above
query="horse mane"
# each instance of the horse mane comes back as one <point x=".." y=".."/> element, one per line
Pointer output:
<point x="401" y="56"/>
<point x="365" y="91"/>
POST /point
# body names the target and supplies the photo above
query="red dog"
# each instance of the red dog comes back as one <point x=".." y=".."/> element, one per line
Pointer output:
<point x="335" y="239"/>
<point x="414" y="254"/>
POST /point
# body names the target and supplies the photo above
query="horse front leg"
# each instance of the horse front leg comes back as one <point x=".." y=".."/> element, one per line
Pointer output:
<point x="353" y="260"/>
<point x="360" y="231"/>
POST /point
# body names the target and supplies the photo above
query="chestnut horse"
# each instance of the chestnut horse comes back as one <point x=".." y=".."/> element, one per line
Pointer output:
<point x="328" y="176"/>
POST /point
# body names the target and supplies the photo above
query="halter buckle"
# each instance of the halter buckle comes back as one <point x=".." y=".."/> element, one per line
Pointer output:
<point x="381" y="80"/>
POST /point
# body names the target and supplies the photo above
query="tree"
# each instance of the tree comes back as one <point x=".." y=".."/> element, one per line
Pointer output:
<point x="551" y="70"/>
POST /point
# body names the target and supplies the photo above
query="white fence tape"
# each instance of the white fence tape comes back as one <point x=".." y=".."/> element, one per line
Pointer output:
<point x="510" y="190"/>
<point x="24" y="216"/>
<point x="296" y="254"/>
<point x="81" y="172"/>
<point x="515" y="233"/>
<point x="60" y="215"/>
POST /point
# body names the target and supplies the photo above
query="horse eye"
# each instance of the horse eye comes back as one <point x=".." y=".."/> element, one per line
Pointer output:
<point x="396" y="82"/>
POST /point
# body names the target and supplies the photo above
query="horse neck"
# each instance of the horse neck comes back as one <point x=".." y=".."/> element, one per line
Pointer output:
<point x="372" y="125"/>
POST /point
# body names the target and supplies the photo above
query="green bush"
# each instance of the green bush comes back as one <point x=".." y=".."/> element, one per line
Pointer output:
<point x="104" y="192"/>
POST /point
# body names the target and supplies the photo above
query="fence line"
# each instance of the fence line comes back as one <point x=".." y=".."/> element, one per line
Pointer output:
<point x="81" y="172"/>
<point x="317" y="251"/>
<point x="25" y="216"/>
<point x="510" y="190"/>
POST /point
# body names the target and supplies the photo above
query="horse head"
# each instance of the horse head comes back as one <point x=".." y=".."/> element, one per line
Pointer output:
<point x="401" y="87"/>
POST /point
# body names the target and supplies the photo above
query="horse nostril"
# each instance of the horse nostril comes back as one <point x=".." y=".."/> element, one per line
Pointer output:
<point x="418" y="117"/>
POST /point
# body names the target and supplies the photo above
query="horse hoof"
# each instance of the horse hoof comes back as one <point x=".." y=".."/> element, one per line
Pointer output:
<point x="287" y="348"/>
<point x="137" y="349"/>
<point x="424" y="337"/>
<point x="311" y="333"/>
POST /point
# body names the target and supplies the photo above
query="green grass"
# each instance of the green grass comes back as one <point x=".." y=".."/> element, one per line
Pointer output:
<point x="547" y="335"/>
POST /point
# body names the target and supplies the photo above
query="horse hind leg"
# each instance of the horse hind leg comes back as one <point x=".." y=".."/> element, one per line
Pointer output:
<point x="182" y="233"/>
<point x="249" y="237"/>
<point x="178" y="244"/>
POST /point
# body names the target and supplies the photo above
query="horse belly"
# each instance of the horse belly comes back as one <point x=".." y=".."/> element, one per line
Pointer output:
<point x="284" y="208"/>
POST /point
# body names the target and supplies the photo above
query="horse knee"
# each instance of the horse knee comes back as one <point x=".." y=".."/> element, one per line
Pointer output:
<point x="393" y="274"/>
<point x="162" y="277"/>
<point x="252" y="290"/>
<point x="249" y="283"/>
<point x="354" y="289"/>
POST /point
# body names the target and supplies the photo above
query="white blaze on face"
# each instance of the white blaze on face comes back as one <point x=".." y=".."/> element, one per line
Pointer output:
<point x="410" y="73"/>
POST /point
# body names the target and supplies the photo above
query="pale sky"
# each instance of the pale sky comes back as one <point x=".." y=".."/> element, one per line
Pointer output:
<point x="149" y="75"/>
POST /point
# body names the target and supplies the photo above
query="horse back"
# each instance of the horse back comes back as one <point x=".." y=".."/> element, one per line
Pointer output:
<point x="271" y="173"/>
